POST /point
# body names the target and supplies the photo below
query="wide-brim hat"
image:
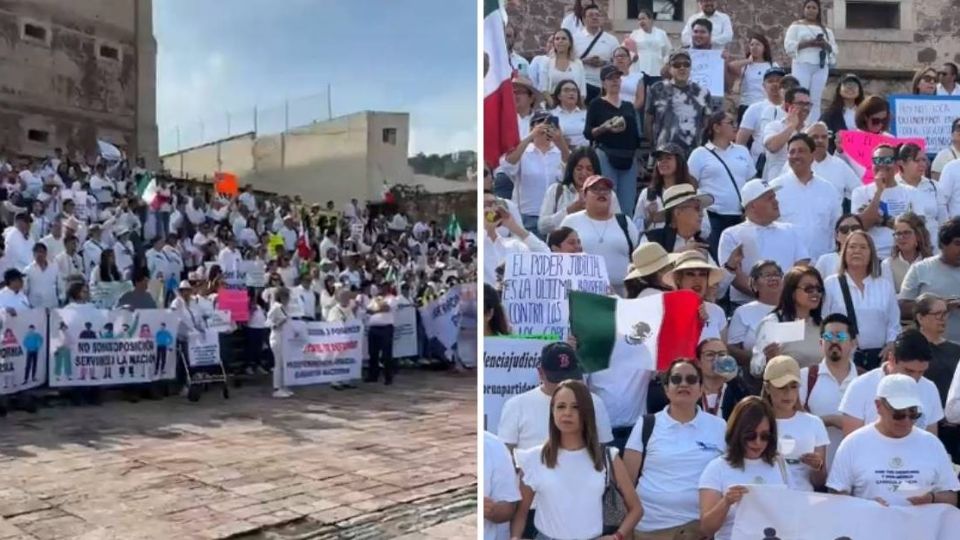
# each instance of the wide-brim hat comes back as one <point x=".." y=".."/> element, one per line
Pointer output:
<point x="527" y="84"/>
<point x="648" y="259"/>
<point x="676" y="195"/>
<point x="692" y="260"/>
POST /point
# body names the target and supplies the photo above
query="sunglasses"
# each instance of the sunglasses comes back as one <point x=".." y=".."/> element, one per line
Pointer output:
<point x="750" y="436"/>
<point x="883" y="161"/>
<point x="812" y="289"/>
<point x="847" y="229"/>
<point x="899" y="414"/>
<point x="839" y="337"/>
<point x="680" y="65"/>
<point x="690" y="379"/>
<point x="877" y="121"/>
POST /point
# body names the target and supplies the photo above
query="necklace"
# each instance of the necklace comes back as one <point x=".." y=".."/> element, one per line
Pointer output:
<point x="602" y="233"/>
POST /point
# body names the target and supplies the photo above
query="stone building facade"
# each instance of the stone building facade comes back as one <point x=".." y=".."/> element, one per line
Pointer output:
<point x="883" y="41"/>
<point x="73" y="72"/>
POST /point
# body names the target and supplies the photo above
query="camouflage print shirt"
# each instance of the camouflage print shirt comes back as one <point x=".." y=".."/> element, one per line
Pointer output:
<point x="679" y="113"/>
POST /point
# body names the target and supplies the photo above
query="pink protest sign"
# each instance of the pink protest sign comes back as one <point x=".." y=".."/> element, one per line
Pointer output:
<point x="236" y="302"/>
<point x="859" y="145"/>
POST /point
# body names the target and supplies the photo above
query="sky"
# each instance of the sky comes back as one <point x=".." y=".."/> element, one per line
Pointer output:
<point x="222" y="58"/>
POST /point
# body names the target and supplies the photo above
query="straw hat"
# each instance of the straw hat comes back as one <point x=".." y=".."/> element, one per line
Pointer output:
<point x="676" y="195"/>
<point x="648" y="259"/>
<point x="693" y="260"/>
<point x="528" y="85"/>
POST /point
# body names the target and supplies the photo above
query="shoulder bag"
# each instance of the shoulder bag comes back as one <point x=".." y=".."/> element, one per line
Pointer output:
<point x="614" y="507"/>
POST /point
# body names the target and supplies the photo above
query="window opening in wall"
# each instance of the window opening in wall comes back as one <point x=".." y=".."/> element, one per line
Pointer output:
<point x="107" y="51"/>
<point x="35" y="32"/>
<point x="390" y="136"/>
<point x="38" y="135"/>
<point x="663" y="10"/>
<point x="873" y="15"/>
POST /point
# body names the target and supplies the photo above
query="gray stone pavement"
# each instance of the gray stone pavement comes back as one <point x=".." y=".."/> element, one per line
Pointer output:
<point x="376" y="462"/>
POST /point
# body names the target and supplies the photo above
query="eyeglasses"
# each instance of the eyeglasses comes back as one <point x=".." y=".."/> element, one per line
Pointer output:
<point x="680" y="65"/>
<point x="690" y="379"/>
<point x="876" y="121"/>
<point x="750" y="436"/>
<point x="899" y="414"/>
<point x="812" y="289"/>
<point x="940" y="315"/>
<point x="839" y="337"/>
<point x="928" y="79"/>
<point x="900" y="234"/>
<point x="847" y="229"/>
<point x="883" y="161"/>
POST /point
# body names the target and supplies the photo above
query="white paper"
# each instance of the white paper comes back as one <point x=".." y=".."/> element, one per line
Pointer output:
<point x="707" y="70"/>
<point x="784" y="332"/>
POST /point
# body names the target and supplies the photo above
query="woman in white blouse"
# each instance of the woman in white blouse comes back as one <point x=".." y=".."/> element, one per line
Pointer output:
<point x="650" y="46"/>
<point x="813" y="49"/>
<point x="766" y="281"/>
<point x="632" y="88"/>
<point x="570" y="112"/>
<point x="829" y="263"/>
<point x="573" y="20"/>
<point x="569" y="472"/>
<point x="669" y="170"/>
<point x="751" y="458"/>
<point x="563" y="64"/>
<point x="750" y="71"/>
<point x="683" y="440"/>
<point x="911" y="244"/>
<point x="567" y="197"/>
<point x="876" y="312"/>
<point x="927" y="200"/>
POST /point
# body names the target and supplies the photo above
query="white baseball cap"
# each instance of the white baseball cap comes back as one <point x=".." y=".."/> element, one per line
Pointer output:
<point x="900" y="391"/>
<point x="754" y="189"/>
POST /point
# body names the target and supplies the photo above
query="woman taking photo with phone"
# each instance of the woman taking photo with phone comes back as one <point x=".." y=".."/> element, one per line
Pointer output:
<point x="569" y="473"/>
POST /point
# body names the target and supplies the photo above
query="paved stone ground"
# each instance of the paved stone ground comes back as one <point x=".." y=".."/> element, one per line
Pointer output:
<point x="377" y="462"/>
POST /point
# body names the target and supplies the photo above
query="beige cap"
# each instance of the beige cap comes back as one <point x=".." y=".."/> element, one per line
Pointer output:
<point x="781" y="371"/>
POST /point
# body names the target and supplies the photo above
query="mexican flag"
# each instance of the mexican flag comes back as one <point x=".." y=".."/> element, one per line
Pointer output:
<point x="500" y="132"/>
<point x="453" y="228"/>
<point x="147" y="189"/>
<point x="655" y="329"/>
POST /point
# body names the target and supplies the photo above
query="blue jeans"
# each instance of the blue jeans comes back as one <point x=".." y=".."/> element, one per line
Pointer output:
<point x="530" y="224"/>
<point x="624" y="181"/>
<point x="503" y="186"/>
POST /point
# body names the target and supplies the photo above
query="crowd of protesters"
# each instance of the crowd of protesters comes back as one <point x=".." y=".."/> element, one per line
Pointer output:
<point x="749" y="201"/>
<point x="73" y="223"/>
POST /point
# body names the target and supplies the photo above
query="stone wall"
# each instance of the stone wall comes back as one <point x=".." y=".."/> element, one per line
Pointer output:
<point x="440" y="206"/>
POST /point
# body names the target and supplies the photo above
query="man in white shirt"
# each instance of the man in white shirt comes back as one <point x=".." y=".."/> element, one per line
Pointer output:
<point x="948" y="80"/>
<point x="830" y="167"/>
<point x="595" y="48"/>
<point x="722" y="26"/>
<point x="880" y="202"/>
<point x="40" y="223"/>
<point x="777" y="133"/>
<point x="822" y="385"/>
<point x="753" y="121"/>
<point x="759" y="237"/>
<point x="69" y="264"/>
<point x="289" y="233"/>
<point x="42" y="280"/>
<point x="229" y="258"/>
<point x="525" y="418"/>
<point x="501" y="488"/>
<point x="891" y="460"/>
<point x="911" y="356"/>
<point x="12" y="298"/>
<point x="18" y="244"/>
<point x="54" y="240"/>
<point x="248" y="199"/>
<point x="304" y="295"/>
<point x="808" y="202"/>
<point x="92" y="249"/>
<point x="124" y="252"/>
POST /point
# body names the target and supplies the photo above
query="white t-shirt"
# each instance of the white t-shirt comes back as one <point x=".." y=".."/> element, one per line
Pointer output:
<point x="827" y="393"/>
<point x="870" y="465"/>
<point x="751" y="83"/>
<point x="623" y="388"/>
<point x="716" y="322"/>
<point x="928" y="204"/>
<point x="605" y="238"/>
<point x="500" y="483"/>
<point x="943" y="157"/>
<point x="571" y="125"/>
<point x="706" y="164"/>
<point x="859" y="401"/>
<point x="777" y="241"/>
<point x="568" y="496"/>
<point x="525" y="419"/>
<point x="800" y="435"/>
<point x="671" y="473"/>
<point x="828" y="264"/>
<point x="603" y="48"/>
<point x="745" y="321"/>
<point x="837" y="172"/>
<point x="898" y="199"/>
<point x="756" y="117"/>
<point x="720" y="476"/>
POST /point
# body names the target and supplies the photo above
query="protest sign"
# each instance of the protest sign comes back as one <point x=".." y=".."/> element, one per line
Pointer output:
<point x="321" y="352"/>
<point x="226" y="183"/>
<point x="236" y="302"/>
<point x="23" y="350"/>
<point x="95" y="347"/>
<point x="467" y="341"/>
<point x="925" y="117"/>
<point x="405" y="330"/>
<point x="105" y="294"/>
<point x="254" y="273"/>
<point x="777" y="512"/>
<point x="535" y="287"/>
<point x="509" y="369"/>
<point x="441" y="323"/>
<point x="82" y="204"/>
<point x="707" y="70"/>
<point x="203" y="348"/>
<point x="220" y="321"/>
<point x="859" y="146"/>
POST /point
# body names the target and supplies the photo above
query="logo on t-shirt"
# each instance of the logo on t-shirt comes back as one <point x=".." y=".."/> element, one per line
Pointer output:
<point x="896" y="463"/>
<point x="758" y="480"/>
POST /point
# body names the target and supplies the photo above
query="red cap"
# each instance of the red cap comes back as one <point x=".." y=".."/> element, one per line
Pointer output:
<point x="596" y="179"/>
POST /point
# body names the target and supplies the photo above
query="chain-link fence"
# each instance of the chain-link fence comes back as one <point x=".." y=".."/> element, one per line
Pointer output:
<point x="261" y="120"/>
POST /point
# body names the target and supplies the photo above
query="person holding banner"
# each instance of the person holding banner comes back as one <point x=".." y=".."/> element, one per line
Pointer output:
<point x="751" y="458"/>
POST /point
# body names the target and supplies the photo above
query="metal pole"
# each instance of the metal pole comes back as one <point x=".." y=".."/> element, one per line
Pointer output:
<point x="228" y="124"/>
<point x="329" y="103"/>
<point x="202" y="139"/>
<point x="179" y="151"/>
<point x="286" y="115"/>
<point x="255" y="121"/>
